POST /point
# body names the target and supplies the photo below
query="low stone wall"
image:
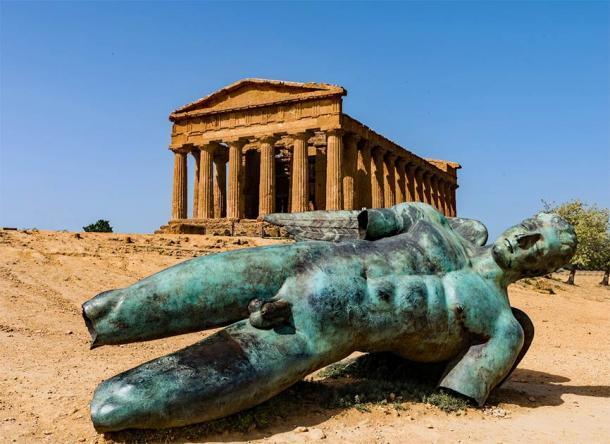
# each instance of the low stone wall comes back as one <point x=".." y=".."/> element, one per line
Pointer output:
<point x="223" y="227"/>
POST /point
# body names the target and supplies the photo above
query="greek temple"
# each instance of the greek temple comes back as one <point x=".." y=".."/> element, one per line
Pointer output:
<point x="266" y="146"/>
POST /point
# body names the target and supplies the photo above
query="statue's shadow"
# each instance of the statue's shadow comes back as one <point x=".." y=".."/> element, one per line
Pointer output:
<point x="381" y="379"/>
<point x="546" y="389"/>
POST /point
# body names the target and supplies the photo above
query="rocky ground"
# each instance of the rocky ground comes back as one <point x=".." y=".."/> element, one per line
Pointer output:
<point x="560" y="392"/>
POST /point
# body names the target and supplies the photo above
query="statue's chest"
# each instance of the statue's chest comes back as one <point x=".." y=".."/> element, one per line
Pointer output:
<point x="426" y="251"/>
<point x="474" y="303"/>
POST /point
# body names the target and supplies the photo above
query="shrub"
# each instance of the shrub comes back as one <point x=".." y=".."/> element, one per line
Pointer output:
<point x="101" y="226"/>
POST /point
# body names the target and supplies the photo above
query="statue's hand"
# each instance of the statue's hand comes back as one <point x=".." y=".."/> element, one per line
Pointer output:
<point x="269" y="314"/>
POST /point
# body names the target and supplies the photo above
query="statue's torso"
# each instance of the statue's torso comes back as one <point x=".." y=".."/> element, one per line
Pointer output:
<point x="414" y="294"/>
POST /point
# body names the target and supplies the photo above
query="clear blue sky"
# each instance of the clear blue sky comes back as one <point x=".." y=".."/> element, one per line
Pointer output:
<point x="518" y="93"/>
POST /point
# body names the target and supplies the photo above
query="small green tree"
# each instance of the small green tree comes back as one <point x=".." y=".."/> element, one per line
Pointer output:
<point x="101" y="226"/>
<point x="591" y="225"/>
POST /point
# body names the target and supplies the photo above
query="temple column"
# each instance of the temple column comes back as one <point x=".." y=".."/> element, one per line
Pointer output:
<point x="334" y="154"/>
<point x="427" y="188"/>
<point x="410" y="187"/>
<point x="434" y="191"/>
<point x="389" y="180"/>
<point x="242" y="183"/>
<point x="299" y="177"/>
<point x="448" y="198"/>
<point x="234" y="197"/>
<point x="179" y="194"/>
<point x="205" y="194"/>
<point x="401" y="182"/>
<point x="419" y="185"/>
<point x="349" y="172"/>
<point x="196" y="157"/>
<point x="320" y="186"/>
<point x="452" y="200"/>
<point x="363" y="172"/>
<point x="441" y="196"/>
<point x="377" y="178"/>
<point x="266" y="188"/>
<point x="220" y="183"/>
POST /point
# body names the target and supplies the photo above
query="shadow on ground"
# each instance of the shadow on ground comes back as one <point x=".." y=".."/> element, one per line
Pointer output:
<point x="373" y="379"/>
<point x="547" y="388"/>
<point x="370" y="379"/>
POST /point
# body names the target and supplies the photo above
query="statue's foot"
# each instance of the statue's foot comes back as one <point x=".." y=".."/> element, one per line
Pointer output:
<point x="232" y="370"/>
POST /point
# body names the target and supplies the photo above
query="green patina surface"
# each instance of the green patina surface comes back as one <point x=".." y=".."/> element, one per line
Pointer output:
<point x="404" y="280"/>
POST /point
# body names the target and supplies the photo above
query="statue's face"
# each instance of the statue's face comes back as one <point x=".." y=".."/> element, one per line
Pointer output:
<point x="536" y="246"/>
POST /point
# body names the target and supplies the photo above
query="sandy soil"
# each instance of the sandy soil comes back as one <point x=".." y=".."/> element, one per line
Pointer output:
<point x="560" y="392"/>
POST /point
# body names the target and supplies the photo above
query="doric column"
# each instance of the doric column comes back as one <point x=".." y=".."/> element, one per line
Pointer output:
<point x="320" y="188"/>
<point x="299" y="175"/>
<point x="434" y="191"/>
<point x="206" y="196"/>
<point x="349" y="172"/>
<point x="401" y="182"/>
<point x="195" y="154"/>
<point x="419" y="185"/>
<point x="377" y="178"/>
<point x="453" y="200"/>
<point x="448" y="199"/>
<point x="234" y="197"/>
<point x="220" y="183"/>
<point x="389" y="180"/>
<point x="410" y="176"/>
<point x="441" y="197"/>
<point x="438" y="192"/>
<point x="334" y="169"/>
<point x="363" y="173"/>
<point x="266" y="189"/>
<point x="179" y="193"/>
<point x="242" y="183"/>
<point x="427" y="188"/>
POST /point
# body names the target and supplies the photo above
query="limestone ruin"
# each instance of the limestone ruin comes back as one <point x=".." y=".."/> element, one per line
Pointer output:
<point x="289" y="147"/>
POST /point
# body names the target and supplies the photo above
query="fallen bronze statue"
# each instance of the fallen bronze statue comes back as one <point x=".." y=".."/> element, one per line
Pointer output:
<point x="405" y="280"/>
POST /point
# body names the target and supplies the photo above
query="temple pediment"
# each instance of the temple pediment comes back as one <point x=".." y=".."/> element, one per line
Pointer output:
<point x="252" y="93"/>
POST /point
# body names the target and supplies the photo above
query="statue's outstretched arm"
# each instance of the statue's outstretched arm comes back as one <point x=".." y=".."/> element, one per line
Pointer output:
<point x="369" y="224"/>
<point x="333" y="226"/>
<point x="385" y="222"/>
<point x="528" y="336"/>
<point x="486" y="364"/>
<point x="472" y="230"/>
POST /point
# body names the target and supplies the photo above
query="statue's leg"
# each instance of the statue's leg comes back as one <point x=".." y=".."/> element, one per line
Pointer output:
<point x="204" y="292"/>
<point x="232" y="370"/>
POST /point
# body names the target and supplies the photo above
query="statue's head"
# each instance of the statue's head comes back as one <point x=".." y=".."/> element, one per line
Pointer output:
<point x="537" y="246"/>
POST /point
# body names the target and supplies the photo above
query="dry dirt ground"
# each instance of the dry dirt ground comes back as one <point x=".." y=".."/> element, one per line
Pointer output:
<point x="560" y="392"/>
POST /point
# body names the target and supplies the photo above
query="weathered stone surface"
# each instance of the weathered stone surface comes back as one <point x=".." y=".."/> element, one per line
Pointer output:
<point x="248" y="228"/>
<point x="224" y="227"/>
